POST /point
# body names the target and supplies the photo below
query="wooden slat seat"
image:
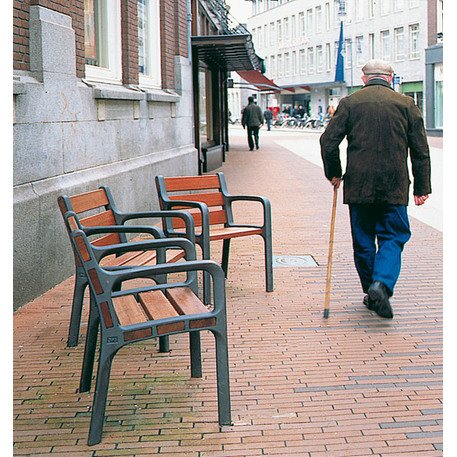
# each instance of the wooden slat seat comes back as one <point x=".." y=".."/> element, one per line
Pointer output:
<point x="207" y="200"/>
<point x="156" y="305"/>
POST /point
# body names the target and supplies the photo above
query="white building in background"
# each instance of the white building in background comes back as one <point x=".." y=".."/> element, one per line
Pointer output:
<point x="299" y="41"/>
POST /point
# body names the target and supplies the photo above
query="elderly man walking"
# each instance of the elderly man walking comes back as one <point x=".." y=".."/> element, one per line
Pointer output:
<point x="252" y="119"/>
<point x="381" y="126"/>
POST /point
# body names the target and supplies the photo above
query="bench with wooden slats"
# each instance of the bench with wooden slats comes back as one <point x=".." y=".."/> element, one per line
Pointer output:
<point x="198" y="194"/>
<point x="102" y="213"/>
<point x="132" y="305"/>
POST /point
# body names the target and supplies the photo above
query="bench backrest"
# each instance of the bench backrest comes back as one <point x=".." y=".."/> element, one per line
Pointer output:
<point x="205" y="189"/>
<point x="99" y="204"/>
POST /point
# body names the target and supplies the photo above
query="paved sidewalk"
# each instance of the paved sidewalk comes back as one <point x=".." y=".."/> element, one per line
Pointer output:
<point x="351" y="385"/>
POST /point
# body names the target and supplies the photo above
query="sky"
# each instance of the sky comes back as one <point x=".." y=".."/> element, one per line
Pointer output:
<point x="240" y="9"/>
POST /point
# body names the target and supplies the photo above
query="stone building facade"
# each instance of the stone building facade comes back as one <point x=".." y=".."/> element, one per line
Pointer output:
<point x="102" y="96"/>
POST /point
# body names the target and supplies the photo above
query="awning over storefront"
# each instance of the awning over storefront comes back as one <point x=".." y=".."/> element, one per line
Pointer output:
<point x="297" y="88"/>
<point x="229" y="52"/>
<point x="257" y="79"/>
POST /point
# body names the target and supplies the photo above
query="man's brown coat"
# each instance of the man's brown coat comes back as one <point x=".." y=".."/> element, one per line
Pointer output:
<point x="381" y="125"/>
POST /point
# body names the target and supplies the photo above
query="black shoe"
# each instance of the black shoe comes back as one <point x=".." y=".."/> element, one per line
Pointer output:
<point x="257" y="147"/>
<point x="378" y="295"/>
<point x="368" y="302"/>
<point x="251" y="149"/>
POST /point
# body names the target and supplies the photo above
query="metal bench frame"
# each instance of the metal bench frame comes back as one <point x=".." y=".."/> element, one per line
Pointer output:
<point x="105" y="286"/>
<point x="178" y="193"/>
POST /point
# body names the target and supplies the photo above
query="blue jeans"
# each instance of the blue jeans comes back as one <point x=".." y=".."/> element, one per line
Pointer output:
<point x="379" y="232"/>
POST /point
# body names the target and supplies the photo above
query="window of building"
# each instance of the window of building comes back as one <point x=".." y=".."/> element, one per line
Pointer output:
<point x="328" y="19"/>
<point x="336" y="9"/>
<point x="371" y="6"/>
<point x="359" y="51"/>
<point x="318" y="18"/>
<point x="102" y="40"/>
<point x="279" y="30"/>
<point x="309" y="22"/>
<point x="205" y="105"/>
<point x="399" y="44"/>
<point x="385" y="7"/>
<point x="413" y="3"/>
<point x="359" y="6"/>
<point x="280" y="65"/>
<point x="399" y="5"/>
<point x="286" y="29"/>
<point x="438" y="70"/>
<point x="348" y="52"/>
<point x="328" y="56"/>
<point x="310" y="61"/>
<point x="302" y="61"/>
<point x="287" y="64"/>
<point x="319" y="59"/>
<point x="371" y="46"/>
<point x="414" y="51"/>
<point x="272" y="34"/>
<point x="301" y="24"/>
<point x="273" y="66"/>
<point x="265" y="35"/>
<point x="385" y="45"/>
<point x="259" y="37"/>
<point x="149" y="43"/>
<point x="439" y="21"/>
<point x="293" y="26"/>
<point x="335" y="53"/>
<point x="294" y="62"/>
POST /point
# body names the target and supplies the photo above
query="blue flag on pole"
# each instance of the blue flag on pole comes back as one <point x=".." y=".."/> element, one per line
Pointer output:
<point x="339" y="72"/>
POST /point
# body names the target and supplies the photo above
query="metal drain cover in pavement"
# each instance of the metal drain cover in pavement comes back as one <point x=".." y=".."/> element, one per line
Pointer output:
<point x="297" y="261"/>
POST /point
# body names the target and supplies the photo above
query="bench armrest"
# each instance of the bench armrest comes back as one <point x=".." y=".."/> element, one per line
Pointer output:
<point x="190" y="229"/>
<point x="159" y="244"/>
<point x="252" y="198"/>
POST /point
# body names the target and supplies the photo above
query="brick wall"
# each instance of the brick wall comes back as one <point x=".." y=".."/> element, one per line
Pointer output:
<point x="129" y="31"/>
<point x="21" y="55"/>
<point x="173" y="16"/>
<point x="173" y="21"/>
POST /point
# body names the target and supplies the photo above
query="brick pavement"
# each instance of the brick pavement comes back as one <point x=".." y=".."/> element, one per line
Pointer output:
<point x="351" y="385"/>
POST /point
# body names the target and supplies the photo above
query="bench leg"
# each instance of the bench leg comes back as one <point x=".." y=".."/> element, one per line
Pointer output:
<point x="164" y="343"/>
<point x="268" y="263"/>
<point x="223" y="383"/>
<point x="76" y="308"/>
<point x="225" y="256"/>
<point x="101" y="393"/>
<point x="205" y="246"/>
<point x="90" y="347"/>
<point x="195" y="355"/>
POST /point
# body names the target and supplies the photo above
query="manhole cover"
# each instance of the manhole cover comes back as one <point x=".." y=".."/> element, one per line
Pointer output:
<point x="294" y="261"/>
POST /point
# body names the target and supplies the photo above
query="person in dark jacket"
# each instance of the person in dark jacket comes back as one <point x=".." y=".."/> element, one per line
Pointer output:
<point x="381" y="126"/>
<point x="268" y="115"/>
<point x="252" y="119"/>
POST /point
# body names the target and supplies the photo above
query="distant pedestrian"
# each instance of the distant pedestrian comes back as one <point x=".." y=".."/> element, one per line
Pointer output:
<point x="268" y="115"/>
<point x="252" y="119"/>
<point x="381" y="125"/>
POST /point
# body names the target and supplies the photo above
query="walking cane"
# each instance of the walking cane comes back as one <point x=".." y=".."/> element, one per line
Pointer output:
<point x="330" y="254"/>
